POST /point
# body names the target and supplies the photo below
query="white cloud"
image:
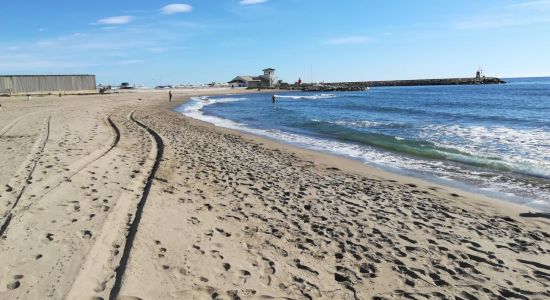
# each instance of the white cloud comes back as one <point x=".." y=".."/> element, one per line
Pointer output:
<point x="348" y="40"/>
<point x="130" y="62"/>
<point x="125" y="46"/>
<point x="32" y="63"/>
<point x="248" y="2"/>
<point x="176" y="8"/>
<point x="118" y="20"/>
<point x="156" y="50"/>
<point x="537" y="4"/>
<point x="11" y="48"/>
<point x="500" y="21"/>
<point x="46" y="44"/>
<point x="514" y="15"/>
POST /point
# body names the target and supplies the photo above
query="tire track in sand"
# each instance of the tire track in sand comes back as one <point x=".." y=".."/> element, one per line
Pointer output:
<point x="79" y="165"/>
<point x="105" y="264"/>
<point x="13" y="122"/>
<point x="51" y="184"/>
<point x="159" y="145"/>
<point x="8" y="126"/>
<point x="22" y="178"/>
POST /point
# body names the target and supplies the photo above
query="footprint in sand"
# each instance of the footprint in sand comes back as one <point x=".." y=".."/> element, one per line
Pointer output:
<point x="86" y="234"/>
<point x="13" y="285"/>
<point x="226" y="266"/>
<point x="245" y="275"/>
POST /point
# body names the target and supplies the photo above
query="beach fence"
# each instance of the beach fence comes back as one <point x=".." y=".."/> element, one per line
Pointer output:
<point x="43" y="84"/>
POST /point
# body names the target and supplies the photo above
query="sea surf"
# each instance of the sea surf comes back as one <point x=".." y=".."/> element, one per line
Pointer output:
<point x="493" y="139"/>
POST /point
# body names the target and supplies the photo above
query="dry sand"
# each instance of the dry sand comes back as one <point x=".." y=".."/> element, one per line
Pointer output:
<point x="117" y="197"/>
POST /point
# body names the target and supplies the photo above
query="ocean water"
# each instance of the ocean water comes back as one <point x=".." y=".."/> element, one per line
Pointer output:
<point x="491" y="139"/>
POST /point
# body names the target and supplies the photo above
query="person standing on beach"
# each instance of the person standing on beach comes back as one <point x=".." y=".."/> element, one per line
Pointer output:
<point x="169" y="96"/>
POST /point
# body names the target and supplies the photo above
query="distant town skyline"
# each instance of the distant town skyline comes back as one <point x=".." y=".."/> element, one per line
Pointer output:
<point x="153" y="43"/>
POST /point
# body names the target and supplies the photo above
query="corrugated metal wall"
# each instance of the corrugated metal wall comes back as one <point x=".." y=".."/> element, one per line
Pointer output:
<point x="46" y="83"/>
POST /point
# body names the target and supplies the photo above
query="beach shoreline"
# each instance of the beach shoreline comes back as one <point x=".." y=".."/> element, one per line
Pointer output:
<point x="361" y="167"/>
<point x="117" y="191"/>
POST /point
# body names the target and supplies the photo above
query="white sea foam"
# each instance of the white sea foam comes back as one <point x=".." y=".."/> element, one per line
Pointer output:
<point x="362" y="123"/>
<point x="357" y="123"/>
<point x="193" y="108"/>
<point x="307" y="97"/>
<point x="527" y="150"/>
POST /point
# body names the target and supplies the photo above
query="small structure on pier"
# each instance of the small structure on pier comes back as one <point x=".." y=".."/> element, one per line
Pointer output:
<point x="479" y="74"/>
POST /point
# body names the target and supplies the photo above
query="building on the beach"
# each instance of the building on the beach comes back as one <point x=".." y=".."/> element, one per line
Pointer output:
<point x="268" y="80"/>
<point x="26" y="84"/>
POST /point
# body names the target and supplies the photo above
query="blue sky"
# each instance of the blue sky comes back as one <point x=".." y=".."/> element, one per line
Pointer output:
<point x="199" y="41"/>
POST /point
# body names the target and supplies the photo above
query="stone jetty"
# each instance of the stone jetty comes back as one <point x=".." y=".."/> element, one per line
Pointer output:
<point x="364" y="85"/>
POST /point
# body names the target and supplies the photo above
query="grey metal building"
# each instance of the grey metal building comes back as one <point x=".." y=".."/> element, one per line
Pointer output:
<point x="20" y="84"/>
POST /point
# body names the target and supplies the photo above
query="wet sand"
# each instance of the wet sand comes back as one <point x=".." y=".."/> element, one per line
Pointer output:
<point x="118" y="197"/>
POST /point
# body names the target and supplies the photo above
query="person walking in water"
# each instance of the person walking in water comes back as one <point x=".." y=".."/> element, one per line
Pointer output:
<point x="273" y="98"/>
<point x="169" y="96"/>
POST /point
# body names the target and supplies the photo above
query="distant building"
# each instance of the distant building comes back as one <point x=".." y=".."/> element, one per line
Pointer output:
<point x="21" y="84"/>
<point x="267" y="80"/>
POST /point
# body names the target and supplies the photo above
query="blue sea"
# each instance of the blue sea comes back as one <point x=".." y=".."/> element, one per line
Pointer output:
<point x="490" y="139"/>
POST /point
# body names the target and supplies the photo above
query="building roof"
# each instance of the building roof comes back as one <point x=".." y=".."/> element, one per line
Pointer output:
<point x="242" y="78"/>
<point x="268" y="69"/>
<point x="245" y="78"/>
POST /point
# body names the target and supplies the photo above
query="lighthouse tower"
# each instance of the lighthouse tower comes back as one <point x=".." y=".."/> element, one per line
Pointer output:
<point x="479" y="73"/>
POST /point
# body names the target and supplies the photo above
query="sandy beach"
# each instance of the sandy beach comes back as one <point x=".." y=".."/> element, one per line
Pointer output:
<point x="118" y="197"/>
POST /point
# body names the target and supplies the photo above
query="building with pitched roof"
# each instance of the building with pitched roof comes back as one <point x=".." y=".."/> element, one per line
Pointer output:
<point x="267" y="80"/>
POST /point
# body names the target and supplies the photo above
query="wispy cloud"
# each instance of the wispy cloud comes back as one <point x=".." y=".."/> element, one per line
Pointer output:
<point x="156" y="50"/>
<point x="176" y="8"/>
<point x="130" y="62"/>
<point x="136" y="43"/>
<point x="249" y="2"/>
<point x="28" y="62"/>
<point x="539" y="4"/>
<point x="10" y="48"/>
<point x="117" y="20"/>
<point x="45" y="44"/>
<point x="513" y="15"/>
<point x="349" y="40"/>
<point x="119" y="41"/>
<point x="500" y="21"/>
